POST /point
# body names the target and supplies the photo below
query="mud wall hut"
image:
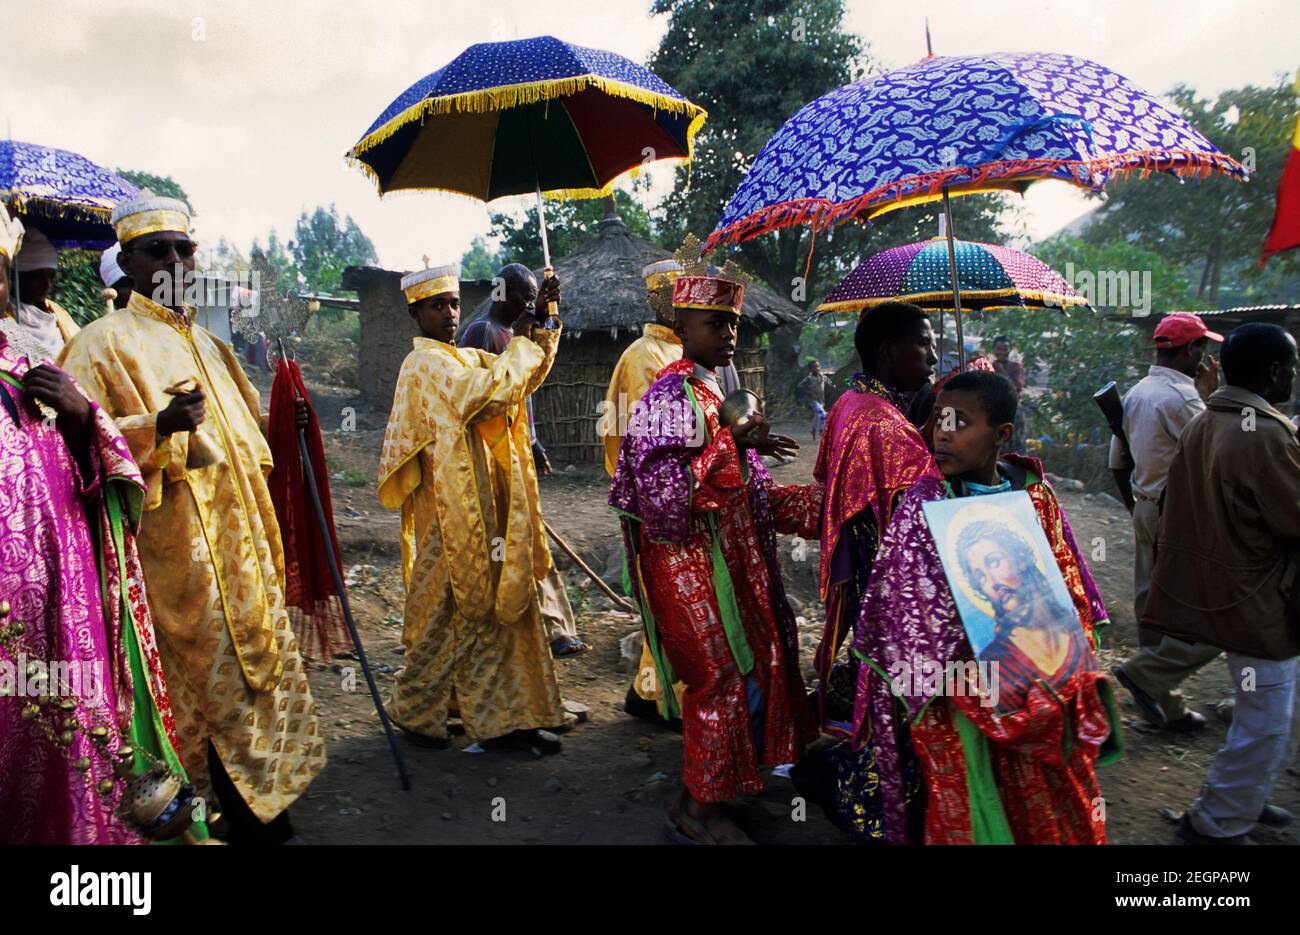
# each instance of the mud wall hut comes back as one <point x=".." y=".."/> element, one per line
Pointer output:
<point x="387" y="328"/>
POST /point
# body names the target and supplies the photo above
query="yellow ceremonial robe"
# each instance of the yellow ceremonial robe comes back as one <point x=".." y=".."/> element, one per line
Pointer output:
<point x="68" y="326"/>
<point x="636" y="369"/>
<point x="457" y="463"/>
<point x="210" y="549"/>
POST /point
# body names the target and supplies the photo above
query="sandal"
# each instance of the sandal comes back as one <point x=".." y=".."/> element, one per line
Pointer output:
<point x="568" y="646"/>
<point x="681" y="828"/>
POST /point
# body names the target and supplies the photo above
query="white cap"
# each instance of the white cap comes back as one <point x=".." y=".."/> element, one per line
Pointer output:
<point x="37" y="253"/>
<point x="431" y="281"/>
<point x="149" y="215"/>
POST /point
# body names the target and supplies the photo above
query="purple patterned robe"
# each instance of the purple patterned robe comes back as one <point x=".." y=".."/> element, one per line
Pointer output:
<point x="49" y="574"/>
<point x="909" y="617"/>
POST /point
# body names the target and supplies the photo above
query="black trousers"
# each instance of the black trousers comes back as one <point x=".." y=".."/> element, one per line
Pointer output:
<point x="242" y="826"/>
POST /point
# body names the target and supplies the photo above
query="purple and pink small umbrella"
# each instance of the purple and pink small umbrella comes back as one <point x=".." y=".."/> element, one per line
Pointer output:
<point x="990" y="276"/>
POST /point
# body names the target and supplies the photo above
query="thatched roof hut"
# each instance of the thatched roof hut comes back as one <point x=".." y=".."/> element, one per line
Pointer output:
<point x="603" y="309"/>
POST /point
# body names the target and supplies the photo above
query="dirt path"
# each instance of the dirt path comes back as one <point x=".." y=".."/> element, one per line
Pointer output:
<point x="616" y="774"/>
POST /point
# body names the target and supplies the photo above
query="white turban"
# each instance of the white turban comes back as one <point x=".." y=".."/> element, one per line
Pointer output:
<point x="37" y="253"/>
<point x="109" y="271"/>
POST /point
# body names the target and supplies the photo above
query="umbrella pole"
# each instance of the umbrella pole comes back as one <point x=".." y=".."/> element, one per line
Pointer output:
<point x="956" y="284"/>
<point x="541" y="221"/>
<point x="552" y="308"/>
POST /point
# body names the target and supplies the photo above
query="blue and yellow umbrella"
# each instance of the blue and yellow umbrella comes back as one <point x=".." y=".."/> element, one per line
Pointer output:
<point x="511" y="118"/>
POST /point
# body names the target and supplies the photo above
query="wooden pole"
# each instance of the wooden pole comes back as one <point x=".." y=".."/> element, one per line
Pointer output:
<point x="618" y="599"/>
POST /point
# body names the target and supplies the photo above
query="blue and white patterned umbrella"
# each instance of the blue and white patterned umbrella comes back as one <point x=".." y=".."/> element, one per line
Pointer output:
<point x="965" y="124"/>
<point x="65" y="195"/>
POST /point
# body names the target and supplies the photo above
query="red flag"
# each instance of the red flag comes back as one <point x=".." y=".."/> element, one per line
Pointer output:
<point x="1285" y="233"/>
<point x="309" y="587"/>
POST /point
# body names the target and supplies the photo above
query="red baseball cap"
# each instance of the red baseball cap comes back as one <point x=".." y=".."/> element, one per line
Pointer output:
<point x="1179" y="328"/>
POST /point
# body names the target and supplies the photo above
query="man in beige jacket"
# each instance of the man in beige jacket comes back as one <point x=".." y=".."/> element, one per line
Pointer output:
<point x="1227" y="573"/>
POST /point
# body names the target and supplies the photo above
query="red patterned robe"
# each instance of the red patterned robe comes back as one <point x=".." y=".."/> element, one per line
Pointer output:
<point x="700" y="524"/>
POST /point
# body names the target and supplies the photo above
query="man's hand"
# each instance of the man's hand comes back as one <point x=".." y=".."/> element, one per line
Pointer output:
<point x="548" y="293"/>
<point x="184" y="413"/>
<point x="758" y="435"/>
<point x="301" y="414"/>
<point x="1207" y="375"/>
<point x="541" y="462"/>
<point x="54" y="388"/>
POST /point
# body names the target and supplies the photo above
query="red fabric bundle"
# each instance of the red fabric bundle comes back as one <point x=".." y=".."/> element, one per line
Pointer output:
<point x="309" y="589"/>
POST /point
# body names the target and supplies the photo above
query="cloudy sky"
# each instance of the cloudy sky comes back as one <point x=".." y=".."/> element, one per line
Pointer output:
<point x="251" y="105"/>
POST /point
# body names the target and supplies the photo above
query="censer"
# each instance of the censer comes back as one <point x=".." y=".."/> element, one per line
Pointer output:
<point x="157" y="804"/>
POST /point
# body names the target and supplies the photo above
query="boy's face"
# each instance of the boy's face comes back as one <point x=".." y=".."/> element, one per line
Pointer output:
<point x="438" y="316"/>
<point x="708" y="338"/>
<point x="964" y="438"/>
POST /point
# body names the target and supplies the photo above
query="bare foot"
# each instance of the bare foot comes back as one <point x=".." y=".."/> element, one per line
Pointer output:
<point x="704" y="823"/>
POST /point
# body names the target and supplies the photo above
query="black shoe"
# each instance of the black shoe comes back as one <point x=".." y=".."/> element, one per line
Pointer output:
<point x="1191" y="836"/>
<point x="536" y="741"/>
<point x="1275" y="817"/>
<point x="639" y="707"/>
<point x="1145" y="703"/>
<point x="646" y="710"/>
<point x="423" y="740"/>
<point x="1189" y="723"/>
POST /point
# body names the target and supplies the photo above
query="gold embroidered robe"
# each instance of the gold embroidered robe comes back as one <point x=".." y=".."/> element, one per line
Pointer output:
<point x="211" y="551"/>
<point x="457" y="463"/>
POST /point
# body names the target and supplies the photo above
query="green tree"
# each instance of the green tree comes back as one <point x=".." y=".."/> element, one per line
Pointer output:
<point x="77" y="286"/>
<point x="1214" y="225"/>
<point x="1078" y="350"/>
<point x="274" y="264"/>
<point x="568" y="223"/>
<point x="751" y="66"/>
<point x="478" y="261"/>
<point x="163" y="185"/>
<point x="325" y="244"/>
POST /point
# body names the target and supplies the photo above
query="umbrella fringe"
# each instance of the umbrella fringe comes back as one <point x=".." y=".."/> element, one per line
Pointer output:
<point x="1183" y="163"/>
<point x="25" y="203"/>
<point x="557" y="194"/>
<point x="1043" y="299"/>
<point x="504" y="97"/>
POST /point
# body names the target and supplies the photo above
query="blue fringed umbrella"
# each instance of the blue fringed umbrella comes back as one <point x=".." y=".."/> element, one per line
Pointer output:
<point x="64" y="194"/>
<point x="958" y="125"/>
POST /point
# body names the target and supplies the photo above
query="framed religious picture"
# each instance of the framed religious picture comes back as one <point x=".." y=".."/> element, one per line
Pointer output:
<point x="1009" y="593"/>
